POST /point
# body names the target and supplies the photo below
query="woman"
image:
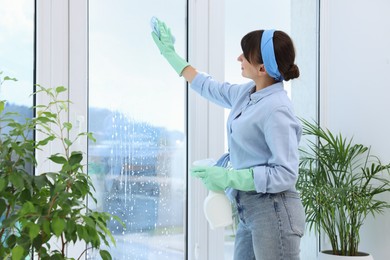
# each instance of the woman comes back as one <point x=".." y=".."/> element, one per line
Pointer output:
<point x="263" y="137"/>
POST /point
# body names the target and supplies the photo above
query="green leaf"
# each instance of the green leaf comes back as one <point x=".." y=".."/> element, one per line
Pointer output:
<point x="80" y="188"/>
<point x="44" y="119"/>
<point x="39" y="106"/>
<point x="33" y="230"/>
<point x="2" y="105"/>
<point x="8" y="78"/>
<point x="105" y="255"/>
<point x="40" y="181"/>
<point x="48" y="114"/>
<point x="57" y="158"/>
<point x="2" y="206"/>
<point x="71" y="226"/>
<point x="75" y="158"/>
<point x="58" y="225"/>
<point x="10" y="221"/>
<point x="15" y="179"/>
<point x="82" y="233"/>
<point x="67" y="125"/>
<point x="17" y="253"/>
<point x="67" y="142"/>
<point x="89" y="222"/>
<point x="11" y="240"/>
<point x="46" y="227"/>
<point x="60" y="89"/>
<point x="90" y="136"/>
<point x="94" y="237"/>
<point x="38" y="242"/>
<point x="46" y="140"/>
<point x="27" y="208"/>
<point x="3" y="184"/>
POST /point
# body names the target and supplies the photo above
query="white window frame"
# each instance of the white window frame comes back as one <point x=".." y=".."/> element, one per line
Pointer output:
<point x="61" y="47"/>
<point x="205" y="120"/>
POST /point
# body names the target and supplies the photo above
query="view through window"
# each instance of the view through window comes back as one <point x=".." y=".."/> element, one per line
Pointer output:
<point x="137" y="106"/>
<point x="17" y="54"/>
<point x="17" y="59"/>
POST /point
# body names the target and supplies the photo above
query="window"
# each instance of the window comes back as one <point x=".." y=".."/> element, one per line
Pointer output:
<point x="17" y="61"/>
<point x="137" y="107"/>
<point x="17" y="57"/>
<point x="17" y="54"/>
<point x="137" y="112"/>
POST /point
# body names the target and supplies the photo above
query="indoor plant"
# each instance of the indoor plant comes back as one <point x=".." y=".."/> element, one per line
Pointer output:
<point x="39" y="211"/>
<point x="339" y="183"/>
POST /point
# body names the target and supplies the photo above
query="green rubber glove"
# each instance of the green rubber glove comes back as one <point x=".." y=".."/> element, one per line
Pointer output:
<point x="165" y="44"/>
<point x="218" y="178"/>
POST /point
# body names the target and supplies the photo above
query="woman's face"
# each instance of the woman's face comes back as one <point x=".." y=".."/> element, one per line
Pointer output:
<point x="248" y="70"/>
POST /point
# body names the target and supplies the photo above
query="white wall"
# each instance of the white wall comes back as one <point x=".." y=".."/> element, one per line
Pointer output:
<point x="355" y="88"/>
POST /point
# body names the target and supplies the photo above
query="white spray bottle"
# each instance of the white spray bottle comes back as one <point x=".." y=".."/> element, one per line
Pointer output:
<point x="217" y="207"/>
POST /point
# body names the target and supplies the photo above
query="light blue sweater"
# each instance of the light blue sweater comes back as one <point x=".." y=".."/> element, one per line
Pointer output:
<point x="263" y="132"/>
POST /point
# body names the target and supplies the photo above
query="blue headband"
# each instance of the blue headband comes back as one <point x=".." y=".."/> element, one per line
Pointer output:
<point x="268" y="54"/>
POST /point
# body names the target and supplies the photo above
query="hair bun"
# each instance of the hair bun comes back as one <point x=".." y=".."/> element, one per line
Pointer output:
<point x="291" y="73"/>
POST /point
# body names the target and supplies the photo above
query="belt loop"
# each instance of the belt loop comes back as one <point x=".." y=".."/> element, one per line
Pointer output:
<point x="237" y="198"/>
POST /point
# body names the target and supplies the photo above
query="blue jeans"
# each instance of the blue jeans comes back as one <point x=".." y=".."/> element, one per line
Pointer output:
<point x="270" y="226"/>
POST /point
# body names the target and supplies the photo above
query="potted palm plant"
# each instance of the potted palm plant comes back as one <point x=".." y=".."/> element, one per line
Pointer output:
<point x="339" y="183"/>
<point x="43" y="214"/>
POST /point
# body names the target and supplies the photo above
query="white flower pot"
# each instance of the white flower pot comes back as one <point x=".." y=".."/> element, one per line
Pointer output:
<point x="324" y="256"/>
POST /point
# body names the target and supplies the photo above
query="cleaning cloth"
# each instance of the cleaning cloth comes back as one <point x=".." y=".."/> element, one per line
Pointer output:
<point x="156" y="29"/>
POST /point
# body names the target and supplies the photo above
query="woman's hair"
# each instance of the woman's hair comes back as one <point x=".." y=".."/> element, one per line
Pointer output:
<point x="283" y="48"/>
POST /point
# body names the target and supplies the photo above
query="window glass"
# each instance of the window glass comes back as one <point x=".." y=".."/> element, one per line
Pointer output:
<point x="299" y="20"/>
<point x="17" y="59"/>
<point x="17" y="54"/>
<point x="137" y="113"/>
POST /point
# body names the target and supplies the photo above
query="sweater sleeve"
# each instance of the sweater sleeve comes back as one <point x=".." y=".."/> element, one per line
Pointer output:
<point x="220" y="93"/>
